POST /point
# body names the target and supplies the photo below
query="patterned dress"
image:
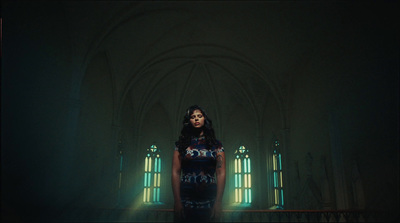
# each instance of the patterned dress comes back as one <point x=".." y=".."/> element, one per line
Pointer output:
<point x="198" y="181"/>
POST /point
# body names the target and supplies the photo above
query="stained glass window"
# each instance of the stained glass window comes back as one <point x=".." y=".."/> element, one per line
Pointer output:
<point x="242" y="176"/>
<point x="152" y="175"/>
<point x="278" y="176"/>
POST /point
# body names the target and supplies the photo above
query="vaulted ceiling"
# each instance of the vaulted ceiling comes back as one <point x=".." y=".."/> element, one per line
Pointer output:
<point x="217" y="54"/>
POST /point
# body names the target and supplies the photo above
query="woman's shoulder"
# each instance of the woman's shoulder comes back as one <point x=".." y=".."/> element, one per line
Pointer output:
<point x="218" y="146"/>
<point x="218" y="143"/>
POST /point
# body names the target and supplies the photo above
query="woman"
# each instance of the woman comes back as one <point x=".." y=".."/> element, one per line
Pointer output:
<point x="199" y="156"/>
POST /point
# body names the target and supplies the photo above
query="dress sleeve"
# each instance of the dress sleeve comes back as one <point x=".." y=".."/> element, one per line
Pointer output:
<point x="220" y="148"/>
<point x="176" y="147"/>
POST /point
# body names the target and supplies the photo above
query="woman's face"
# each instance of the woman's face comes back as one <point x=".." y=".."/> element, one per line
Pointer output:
<point x="197" y="119"/>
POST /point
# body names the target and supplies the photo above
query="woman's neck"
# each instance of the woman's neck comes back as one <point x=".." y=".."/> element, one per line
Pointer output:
<point x="198" y="132"/>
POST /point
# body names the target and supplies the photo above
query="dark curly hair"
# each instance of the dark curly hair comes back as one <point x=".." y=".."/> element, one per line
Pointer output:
<point x="188" y="131"/>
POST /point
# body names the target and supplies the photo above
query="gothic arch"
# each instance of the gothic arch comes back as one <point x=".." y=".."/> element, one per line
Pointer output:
<point x="215" y="58"/>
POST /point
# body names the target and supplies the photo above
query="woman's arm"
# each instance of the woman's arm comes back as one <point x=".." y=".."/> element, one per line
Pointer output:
<point x="175" y="179"/>
<point x="221" y="171"/>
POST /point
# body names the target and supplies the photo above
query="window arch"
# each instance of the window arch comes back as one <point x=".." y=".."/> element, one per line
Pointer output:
<point x="278" y="176"/>
<point x="242" y="176"/>
<point x="152" y="175"/>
